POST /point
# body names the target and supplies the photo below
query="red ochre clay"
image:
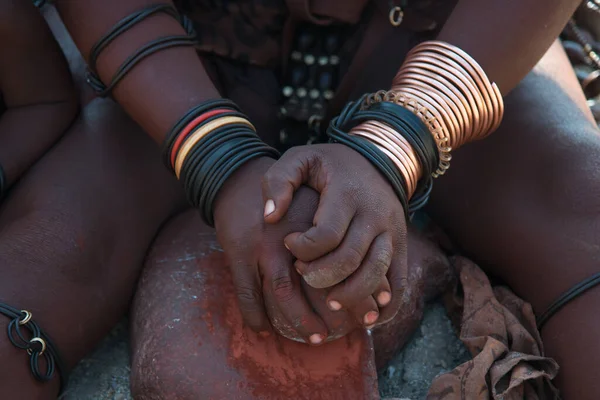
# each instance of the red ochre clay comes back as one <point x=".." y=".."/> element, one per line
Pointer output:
<point x="278" y="368"/>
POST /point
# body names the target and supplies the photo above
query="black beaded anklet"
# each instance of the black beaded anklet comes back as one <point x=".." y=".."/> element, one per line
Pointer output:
<point x="568" y="296"/>
<point x="38" y="345"/>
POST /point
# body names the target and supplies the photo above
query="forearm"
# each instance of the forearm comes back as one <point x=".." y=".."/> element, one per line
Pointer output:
<point x="162" y="87"/>
<point x="507" y="37"/>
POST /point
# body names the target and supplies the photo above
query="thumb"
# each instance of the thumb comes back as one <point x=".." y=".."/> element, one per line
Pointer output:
<point x="284" y="177"/>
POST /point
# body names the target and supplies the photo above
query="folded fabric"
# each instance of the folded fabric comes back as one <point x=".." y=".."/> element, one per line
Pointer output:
<point x="499" y="330"/>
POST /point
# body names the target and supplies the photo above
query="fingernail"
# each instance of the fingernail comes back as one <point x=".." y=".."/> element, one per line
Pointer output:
<point x="298" y="271"/>
<point x="370" y="327"/>
<point x="334" y="305"/>
<point x="371" y="317"/>
<point x="285" y="244"/>
<point x="316" y="338"/>
<point x="384" y="298"/>
<point x="269" y="207"/>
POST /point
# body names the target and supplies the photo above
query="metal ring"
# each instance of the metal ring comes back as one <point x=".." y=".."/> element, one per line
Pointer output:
<point x="396" y="15"/>
<point x="38" y="340"/>
<point x="27" y="317"/>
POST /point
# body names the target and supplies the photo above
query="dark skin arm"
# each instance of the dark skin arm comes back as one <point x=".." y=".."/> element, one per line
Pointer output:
<point x="493" y="33"/>
<point x="156" y="93"/>
<point x="498" y="33"/>
<point x="35" y="85"/>
<point x="161" y="88"/>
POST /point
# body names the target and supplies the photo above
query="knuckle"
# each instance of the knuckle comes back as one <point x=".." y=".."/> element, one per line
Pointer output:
<point x="248" y="296"/>
<point x="283" y="288"/>
<point x="270" y="177"/>
<point x="330" y="235"/>
<point x="351" y="260"/>
<point x="382" y="261"/>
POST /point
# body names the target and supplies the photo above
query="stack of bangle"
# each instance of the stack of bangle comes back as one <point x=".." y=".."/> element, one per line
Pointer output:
<point x="149" y="48"/>
<point x="2" y="182"/>
<point x="440" y="99"/>
<point x="450" y="90"/>
<point x="387" y="134"/>
<point x="208" y="144"/>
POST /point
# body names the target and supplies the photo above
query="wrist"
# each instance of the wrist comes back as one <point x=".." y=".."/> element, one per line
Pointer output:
<point x="247" y="178"/>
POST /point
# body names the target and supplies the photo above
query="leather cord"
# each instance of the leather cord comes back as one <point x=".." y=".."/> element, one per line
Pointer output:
<point x="566" y="297"/>
<point x="148" y="49"/>
<point x="37" y="345"/>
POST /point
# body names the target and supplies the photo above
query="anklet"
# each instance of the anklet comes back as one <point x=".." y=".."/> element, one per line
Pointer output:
<point x="38" y="345"/>
<point x="568" y="296"/>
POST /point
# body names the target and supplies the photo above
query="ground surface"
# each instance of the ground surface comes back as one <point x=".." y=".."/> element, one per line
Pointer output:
<point x="434" y="349"/>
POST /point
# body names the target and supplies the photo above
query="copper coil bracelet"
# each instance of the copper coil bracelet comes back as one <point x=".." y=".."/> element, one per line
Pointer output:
<point x="37" y="344"/>
<point x="447" y="88"/>
<point x="432" y="122"/>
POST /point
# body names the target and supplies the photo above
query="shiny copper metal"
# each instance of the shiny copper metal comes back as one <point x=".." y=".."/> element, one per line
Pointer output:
<point x="466" y="88"/>
<point x="382" y="141"/>
<point x="448" y="90"/>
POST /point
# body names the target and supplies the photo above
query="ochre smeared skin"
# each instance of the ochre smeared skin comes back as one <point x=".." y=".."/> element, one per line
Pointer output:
<point x="189" y="341"/>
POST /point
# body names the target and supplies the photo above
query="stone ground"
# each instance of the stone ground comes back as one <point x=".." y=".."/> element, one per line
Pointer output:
<point x="434" y="349"/>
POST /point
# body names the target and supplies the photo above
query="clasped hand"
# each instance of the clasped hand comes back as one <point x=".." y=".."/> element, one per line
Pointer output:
<point x="313" y="264"/>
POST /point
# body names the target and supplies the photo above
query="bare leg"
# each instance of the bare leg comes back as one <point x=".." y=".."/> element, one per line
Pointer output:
<point x="525" y="204"/>
<point x="189" y="342"/>
<point x="73" y="236"/>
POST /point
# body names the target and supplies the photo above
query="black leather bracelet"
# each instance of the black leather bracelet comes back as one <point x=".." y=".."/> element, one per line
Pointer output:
<point x="193" y="181"/>
<point x="214" y="159"/>
<point x="261" y="151"/>
<point x="417" y="134"/>
<point x="150" y="48"/>
<point x="377" y="158"/>
<point x="568" y="296"/>
<point x="405" y="123"/>
<point x="123" y="26"/>
<point x="36" y="344"/>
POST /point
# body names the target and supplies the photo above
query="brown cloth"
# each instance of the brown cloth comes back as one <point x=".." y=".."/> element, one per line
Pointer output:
<point x="499" y="330"/>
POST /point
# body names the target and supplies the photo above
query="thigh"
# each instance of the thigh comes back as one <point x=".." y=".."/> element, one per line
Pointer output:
<point x="189" y="342"/>
<point x="73" y="236"/>
<point x="525" y="204"/>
